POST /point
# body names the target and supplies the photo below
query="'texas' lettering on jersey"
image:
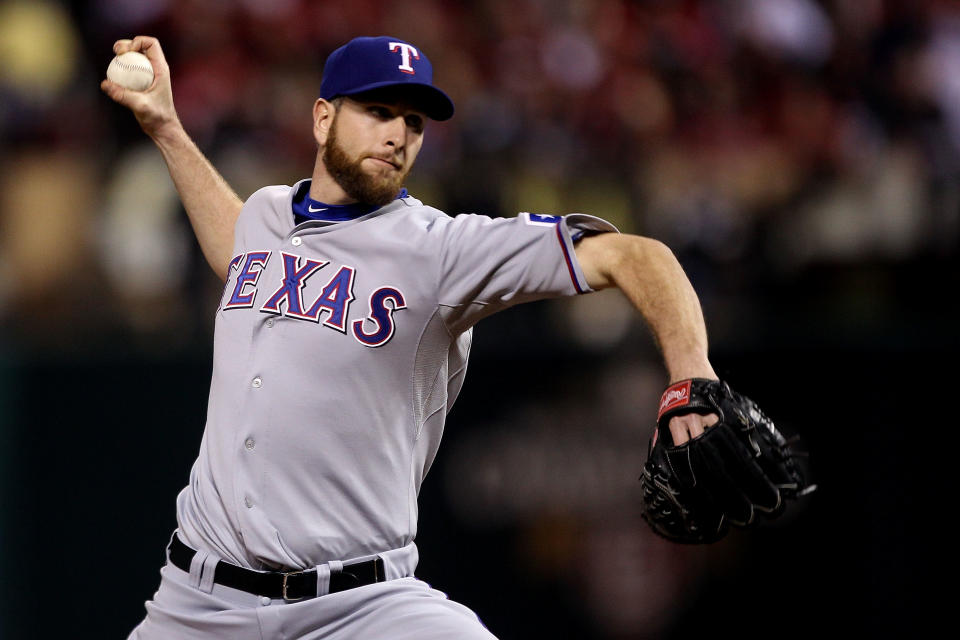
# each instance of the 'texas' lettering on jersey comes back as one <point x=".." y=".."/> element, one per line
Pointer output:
<point x="373" y="330"/>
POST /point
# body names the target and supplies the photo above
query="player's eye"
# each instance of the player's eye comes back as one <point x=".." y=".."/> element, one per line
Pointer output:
<point x="415" y="122"/>
<point x="380" y="112"/>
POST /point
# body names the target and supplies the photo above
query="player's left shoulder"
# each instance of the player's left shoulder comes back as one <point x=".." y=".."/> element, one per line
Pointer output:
<point x="412" y="212"/>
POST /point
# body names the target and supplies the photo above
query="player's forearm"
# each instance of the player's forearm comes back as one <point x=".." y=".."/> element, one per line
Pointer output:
<point x="651" y="277"/>
<point x="211" y="204"/>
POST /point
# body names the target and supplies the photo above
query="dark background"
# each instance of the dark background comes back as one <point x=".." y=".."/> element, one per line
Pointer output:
<point x="807" y="180"/>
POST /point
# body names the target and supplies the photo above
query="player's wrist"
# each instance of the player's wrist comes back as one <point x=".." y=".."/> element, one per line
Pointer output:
<point x="167" y="133"/>
<point x="690" y="367"/>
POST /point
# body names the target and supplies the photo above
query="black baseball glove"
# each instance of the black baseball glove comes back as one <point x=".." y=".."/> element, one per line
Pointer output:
<point x="739" y="471"/>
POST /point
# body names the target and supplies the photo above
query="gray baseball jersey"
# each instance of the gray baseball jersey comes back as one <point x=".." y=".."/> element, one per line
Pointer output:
<point x="339" y="349"/>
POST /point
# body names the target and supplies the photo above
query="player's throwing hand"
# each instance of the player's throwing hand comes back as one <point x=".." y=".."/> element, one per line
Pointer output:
<point x="153" y="107"/>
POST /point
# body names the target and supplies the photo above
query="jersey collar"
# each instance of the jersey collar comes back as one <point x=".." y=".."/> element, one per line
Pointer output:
<point x="306" y="207"/>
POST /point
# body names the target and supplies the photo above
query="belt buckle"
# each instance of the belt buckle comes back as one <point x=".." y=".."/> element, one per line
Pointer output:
<point x="284" y="589"/>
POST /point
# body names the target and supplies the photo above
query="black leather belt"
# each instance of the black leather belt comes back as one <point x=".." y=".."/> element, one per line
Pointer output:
<point x="293" y="585"/>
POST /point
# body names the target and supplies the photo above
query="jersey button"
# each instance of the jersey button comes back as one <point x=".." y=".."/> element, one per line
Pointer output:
<point x="247" y="501"/>
<point x="270" y="323"/>
<point x="250" y="444"/>
<point x="297" y="241"/>
<point x="257" y="383"/>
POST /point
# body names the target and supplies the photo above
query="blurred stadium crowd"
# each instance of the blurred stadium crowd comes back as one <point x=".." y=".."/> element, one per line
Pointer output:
<point x="802" y="158"/>
<point x="769" y="134"/>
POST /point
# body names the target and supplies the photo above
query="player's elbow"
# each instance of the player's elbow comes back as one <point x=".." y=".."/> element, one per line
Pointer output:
<point x="629" y="254"/>
<point x="610" y="258"/>
<point x="641" y="250"/>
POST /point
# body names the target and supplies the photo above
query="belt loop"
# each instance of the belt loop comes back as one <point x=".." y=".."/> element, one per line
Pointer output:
<point x="203" y="567"/>
<point x="323" y="579"/>
<point x="209" y="571"/>
<point x="197" y="563"/>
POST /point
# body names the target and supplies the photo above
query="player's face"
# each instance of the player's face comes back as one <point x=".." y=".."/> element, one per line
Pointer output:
<point x="371" y="148"/>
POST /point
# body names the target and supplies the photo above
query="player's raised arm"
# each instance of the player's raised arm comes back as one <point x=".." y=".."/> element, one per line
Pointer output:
<point x="211" y="203"/>
<point x="650" y="276"/>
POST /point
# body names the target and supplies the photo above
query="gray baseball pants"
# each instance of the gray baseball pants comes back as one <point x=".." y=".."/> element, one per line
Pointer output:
<point x="404" y="608"/>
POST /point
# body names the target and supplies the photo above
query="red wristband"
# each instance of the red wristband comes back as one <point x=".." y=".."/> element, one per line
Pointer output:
<point x="676" y="395"/>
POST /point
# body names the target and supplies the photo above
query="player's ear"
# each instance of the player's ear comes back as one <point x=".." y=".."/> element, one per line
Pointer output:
<point x="323" y="112"/>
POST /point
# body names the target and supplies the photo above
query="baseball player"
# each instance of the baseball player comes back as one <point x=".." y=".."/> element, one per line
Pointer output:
<point x="341" y="342"/>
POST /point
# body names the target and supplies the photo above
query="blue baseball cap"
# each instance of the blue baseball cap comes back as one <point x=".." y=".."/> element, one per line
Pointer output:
<point x="365" y="63"/>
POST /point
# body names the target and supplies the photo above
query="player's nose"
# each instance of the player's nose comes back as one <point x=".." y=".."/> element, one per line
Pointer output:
<point x="396" y="132"/>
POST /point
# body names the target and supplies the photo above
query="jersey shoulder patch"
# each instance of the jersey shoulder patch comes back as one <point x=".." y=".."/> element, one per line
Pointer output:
<point x="540" y="219"/>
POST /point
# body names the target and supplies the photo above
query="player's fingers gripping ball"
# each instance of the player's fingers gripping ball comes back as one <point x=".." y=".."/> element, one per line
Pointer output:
<point x="131" y="70"/>
<point x="739" y="472"/>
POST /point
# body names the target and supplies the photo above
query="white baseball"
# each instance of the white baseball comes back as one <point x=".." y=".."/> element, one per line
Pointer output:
<point x="131" y="70"/>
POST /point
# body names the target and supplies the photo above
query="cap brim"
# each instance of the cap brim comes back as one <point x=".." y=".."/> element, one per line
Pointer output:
<point x="424" y="97"/>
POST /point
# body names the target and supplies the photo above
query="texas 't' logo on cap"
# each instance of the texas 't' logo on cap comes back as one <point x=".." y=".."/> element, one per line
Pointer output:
<point x="367" y="64"/>
<point x="406" y="50"/>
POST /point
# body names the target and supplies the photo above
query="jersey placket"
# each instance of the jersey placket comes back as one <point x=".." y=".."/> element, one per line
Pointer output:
<point x="253" y="424"/>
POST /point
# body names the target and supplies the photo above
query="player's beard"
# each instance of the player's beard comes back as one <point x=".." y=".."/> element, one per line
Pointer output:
<point x="357" y="183"/>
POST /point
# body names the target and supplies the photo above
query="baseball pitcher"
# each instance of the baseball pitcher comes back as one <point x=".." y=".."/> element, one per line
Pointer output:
<point x="341" y="342"/>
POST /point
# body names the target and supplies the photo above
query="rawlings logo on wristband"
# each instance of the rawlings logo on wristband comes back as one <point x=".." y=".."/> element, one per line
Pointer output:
<point x="677" y="395"/>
